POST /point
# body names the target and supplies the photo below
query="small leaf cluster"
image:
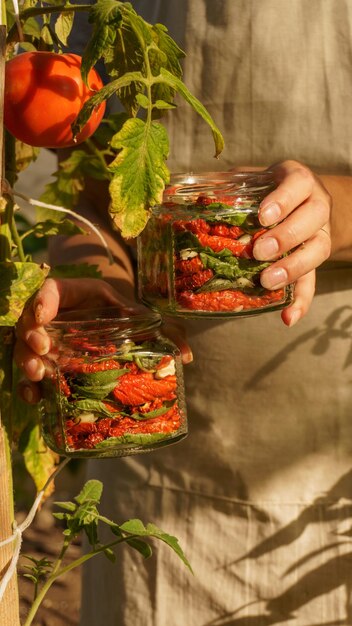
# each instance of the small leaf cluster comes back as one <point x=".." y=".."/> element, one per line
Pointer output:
<point x="82" y="515"/>
<point x="38" y="571"/>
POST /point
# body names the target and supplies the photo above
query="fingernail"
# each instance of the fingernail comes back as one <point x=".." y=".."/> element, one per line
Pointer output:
<point x="269" y="214"/>
<point x="295" y="316"/>
<point x="265" y="248"/>
<point x="187" y="358"/>
<point x="273" y="278"/>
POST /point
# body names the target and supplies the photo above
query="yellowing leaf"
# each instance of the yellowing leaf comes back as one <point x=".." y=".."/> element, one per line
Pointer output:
<point x="18" y="282"/>
<point x="40" y="461"/>
<point x="139" y="174"/>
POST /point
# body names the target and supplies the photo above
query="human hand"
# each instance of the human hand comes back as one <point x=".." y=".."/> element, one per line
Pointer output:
<point x="300" y="207"/>
<point x="33" y="342"/>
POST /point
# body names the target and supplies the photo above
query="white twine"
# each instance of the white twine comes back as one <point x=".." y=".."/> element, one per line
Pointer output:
<point x="61" y="209"/>
<point x="19" y="530"/>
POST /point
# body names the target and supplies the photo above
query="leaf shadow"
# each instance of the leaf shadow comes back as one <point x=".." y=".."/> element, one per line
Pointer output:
<point x="338" y="325"/>
<point x="334" y="572"/>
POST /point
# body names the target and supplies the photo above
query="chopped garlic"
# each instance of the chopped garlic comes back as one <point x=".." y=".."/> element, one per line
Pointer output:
<point x="244" y="282"/>
<point x="168" y="370"/>
<point x="245" y="239"/>
<point x="187" y="253"/>
<point x="87" y="418"/>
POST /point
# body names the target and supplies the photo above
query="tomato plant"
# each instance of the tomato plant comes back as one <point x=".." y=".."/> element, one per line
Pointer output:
<point x="55" y="100"/>
<point x="44" y="93"/>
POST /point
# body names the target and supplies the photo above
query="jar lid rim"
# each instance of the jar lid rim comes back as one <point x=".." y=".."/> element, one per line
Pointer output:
<point x="229" y="183"/>
<point x="104" y="317"/>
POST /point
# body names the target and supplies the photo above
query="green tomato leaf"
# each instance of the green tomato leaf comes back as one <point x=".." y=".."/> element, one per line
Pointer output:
<point x="142" y="100"/>
<point x="162" y="105"/>
<point x="139" y="174"/>
<point x="164" y="54"/>
<point x="103" y="94"/>
<point x="141" y="546"/>
<point x="18" y="282"/>
<point x="50" y="228"/>
<point x="179" y="86"/>
<point x="67" y="506"/>
<point x="69" y="182"/>
<point x="63" y="26"/>
<point x="91" y="492"/>
<point x="126" y="55"/>
<point x="25" y="155"/>
<point x="136" y="527"/>
<point x="110" y="554"/>
<point x="32" y="28"/>
<point x="105" y="15"/>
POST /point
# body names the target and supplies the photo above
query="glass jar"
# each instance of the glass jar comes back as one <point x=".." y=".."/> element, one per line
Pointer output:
<point x="195" y="254"/>
<point x="113" y="385"/>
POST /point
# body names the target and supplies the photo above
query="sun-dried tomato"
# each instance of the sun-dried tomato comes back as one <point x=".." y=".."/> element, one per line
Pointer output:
<point x="227" y="300"/>
<point x="259" y="233"/>
<point x="92" y="440"/>
<point x="84" y="367"/>
<point x="224" y="230"/>
<point x="82" y="428"/>
<point x="193" y="281"/>
<point x="194" y="226"/>
<point x="103" y="425"/>
<point x="83" y="344"/>
<point x="110" y="407"/>
<point x="135" y="389"/>
<point x="189" y="266"/>
<point x="217" y="244"/>
<point x="64" y="386"/>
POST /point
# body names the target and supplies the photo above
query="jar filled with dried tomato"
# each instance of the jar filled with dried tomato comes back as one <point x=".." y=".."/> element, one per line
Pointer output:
<point x="195" y="254"/>
<point x="113" y="385"/>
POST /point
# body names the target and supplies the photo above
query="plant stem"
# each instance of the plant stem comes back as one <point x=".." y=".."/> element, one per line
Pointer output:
<point x="17" y="240"/>
<point x="99" y="154"/>
<point x="60" y="572"/>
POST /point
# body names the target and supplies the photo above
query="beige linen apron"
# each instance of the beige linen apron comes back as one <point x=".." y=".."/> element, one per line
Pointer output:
<point x="260" y="493"/>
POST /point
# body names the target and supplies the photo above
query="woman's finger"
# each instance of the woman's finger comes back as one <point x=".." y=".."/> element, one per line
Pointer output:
<point x="297" y="228"/>
<point x="28" y="361"/>
<point x="72" y="293"/>
<point x="301" y="261"/>
<point x="304" y="293"/>
<point x="296" y="183"/>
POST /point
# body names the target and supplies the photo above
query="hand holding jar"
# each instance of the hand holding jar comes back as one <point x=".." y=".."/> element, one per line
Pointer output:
<point x="300" y="206"/>
<point x="217" y="246"/>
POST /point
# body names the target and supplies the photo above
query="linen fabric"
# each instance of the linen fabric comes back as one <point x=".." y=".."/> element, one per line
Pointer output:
<point x="260" y="493"/>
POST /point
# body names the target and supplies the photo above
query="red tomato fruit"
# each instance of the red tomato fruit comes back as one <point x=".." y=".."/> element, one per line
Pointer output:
<point x="44" y="93"/>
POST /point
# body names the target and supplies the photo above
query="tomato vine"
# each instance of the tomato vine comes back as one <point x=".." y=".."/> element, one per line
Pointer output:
<point x="129" y="150"/>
